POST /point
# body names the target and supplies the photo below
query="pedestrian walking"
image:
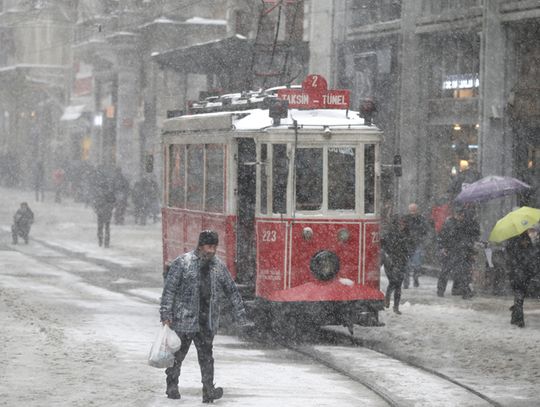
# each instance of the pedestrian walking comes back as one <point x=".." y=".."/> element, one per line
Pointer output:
<point x="38" y="179"/>
<point x="396" y="248"/>
<point x="139" y="202"/>
<point x="418" y="228"/>
<point x="523" y="263"/>
<point x="22" y="222"/>
<point x="151" y="197"/>
<point x="121" y="191"/>
<point x="456" y="243"/>
<point x="103" y="200"/>
<point x="190" y="305"/>
<point x="58" y="182"/>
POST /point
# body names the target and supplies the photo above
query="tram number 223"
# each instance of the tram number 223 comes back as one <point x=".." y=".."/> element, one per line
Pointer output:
<point x="269" y="236"/>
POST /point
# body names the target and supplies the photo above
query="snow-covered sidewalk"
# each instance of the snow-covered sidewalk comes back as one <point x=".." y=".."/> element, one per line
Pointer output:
<point x="469" y="340"/>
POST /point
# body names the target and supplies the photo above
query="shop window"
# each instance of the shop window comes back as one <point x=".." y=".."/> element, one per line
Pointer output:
<point x="374" y="11"/>
<point x="195" y="184"/>
<point x="214" y="195"/>
<point x="177" y="168"/>
<point x="294" y="21"/>
<point x="280" y="176"/>
<point x="341" y="178"/>
<point x="455" y="66"/>
<point x="309" y="176"/>
<point x="369" y="178"/>
<point x="242" y="23"/>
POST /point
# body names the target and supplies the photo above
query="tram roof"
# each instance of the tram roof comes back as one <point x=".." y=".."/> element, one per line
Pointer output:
<point x="258" y="119"/>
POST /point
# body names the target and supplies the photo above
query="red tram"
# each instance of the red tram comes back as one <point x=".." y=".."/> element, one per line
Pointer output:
<point x="289" y="178"/>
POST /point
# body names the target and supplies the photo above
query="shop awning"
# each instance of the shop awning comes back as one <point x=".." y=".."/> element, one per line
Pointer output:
<point x="227" y="54"/>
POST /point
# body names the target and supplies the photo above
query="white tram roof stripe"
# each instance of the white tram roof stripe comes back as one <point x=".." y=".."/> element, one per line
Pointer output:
<point x="258" y="119"/>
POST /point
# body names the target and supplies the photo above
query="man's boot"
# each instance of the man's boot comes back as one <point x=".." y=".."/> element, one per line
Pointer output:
<point x="211" y="393"/>
<point x="172" y="384"/>
<point x="396" y="310"/>
<point x="387" y="301"/>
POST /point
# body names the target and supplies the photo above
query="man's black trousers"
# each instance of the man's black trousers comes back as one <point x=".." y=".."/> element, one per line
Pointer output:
<point x="204" y="344"/>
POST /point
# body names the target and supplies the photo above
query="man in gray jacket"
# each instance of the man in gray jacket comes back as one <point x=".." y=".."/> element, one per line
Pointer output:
<point x="190" y="306"/>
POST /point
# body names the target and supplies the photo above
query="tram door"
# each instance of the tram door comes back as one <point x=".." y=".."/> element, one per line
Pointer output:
<point x="246" y="239"/>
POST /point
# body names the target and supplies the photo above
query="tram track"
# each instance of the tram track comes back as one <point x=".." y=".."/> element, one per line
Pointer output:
<point x="328" y="338"/>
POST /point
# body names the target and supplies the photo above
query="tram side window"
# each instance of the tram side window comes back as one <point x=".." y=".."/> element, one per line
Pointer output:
<point x="280" y="175"/>
<point x="341" y="178"/>
<point x="369" y="178"/>
<point x="177" y="169"/>
<point x="214" y="178"/>
<point x="264" y="184"/>
<point x="194" y="193"/>
<point x="309" y="177"/>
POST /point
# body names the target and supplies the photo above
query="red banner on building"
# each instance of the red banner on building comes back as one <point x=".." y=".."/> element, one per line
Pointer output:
<point x="314" y="94"/>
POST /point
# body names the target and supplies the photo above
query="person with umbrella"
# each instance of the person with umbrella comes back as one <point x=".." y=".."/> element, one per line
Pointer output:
<point x="520" y="230"/>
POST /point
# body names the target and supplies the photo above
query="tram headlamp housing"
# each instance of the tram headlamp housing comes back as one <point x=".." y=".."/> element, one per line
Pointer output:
<point x="307" y="233"/>
<point x="324" y="265"/>
<point x="343" y="235"/>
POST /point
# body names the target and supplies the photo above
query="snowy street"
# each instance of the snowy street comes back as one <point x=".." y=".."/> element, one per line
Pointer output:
<point x="78" y="321"/>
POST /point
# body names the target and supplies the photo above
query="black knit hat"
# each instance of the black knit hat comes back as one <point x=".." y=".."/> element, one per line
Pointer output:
<point x="208" y="237"/>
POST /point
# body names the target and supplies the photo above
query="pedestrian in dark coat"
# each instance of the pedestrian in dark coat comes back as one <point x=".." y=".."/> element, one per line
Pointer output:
<point x="418" y="227"/>
<point x="22" y="222"/>
<point x="151" y="198"/>
<point x="190" y="305"/>
<point x="139" y="202"/>
<point x="396" y="248"/>
<point x="103" y="200"/>
<point x="121" y="191"/>
<point x="524" y="263"/>
<point x="456" y="243"/>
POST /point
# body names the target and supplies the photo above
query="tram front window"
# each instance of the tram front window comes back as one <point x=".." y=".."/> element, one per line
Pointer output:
<point x="369" y="178"/>
<point x="264" y="186"/>
<point x="280" y="175"/>
<point x="341" y="179"/>
<point x="309" y="175"/>
<point x="214" y="178"/>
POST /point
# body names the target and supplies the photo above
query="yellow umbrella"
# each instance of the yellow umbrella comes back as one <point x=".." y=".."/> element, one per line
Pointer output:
<point x="514" y="224"/>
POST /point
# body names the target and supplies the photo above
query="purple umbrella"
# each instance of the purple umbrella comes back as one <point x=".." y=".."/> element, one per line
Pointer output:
<point x="490" y="187"/>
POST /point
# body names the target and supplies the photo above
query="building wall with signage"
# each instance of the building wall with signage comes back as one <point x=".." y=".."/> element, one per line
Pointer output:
<point x="453" y="90"/>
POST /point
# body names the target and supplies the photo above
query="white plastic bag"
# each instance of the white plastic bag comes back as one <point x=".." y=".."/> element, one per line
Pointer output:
<point x="163" y="349"/>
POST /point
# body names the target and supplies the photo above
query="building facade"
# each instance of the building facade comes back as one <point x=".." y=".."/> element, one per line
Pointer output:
<point x="456" y="87"/>
<point x="35" y="77"/>
<point x="88" y="83"/>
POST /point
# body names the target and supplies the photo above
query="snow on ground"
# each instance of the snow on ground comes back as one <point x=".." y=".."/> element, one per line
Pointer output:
<point x="94" y="341"/>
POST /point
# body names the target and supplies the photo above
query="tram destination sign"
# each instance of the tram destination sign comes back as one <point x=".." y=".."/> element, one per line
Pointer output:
<point x="315" y="94"/>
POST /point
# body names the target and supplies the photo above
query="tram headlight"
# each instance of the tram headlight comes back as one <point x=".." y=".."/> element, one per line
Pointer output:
<point x="343" y="235"/>
<point x="324" y="265"/>
<point x="307" y="233"/>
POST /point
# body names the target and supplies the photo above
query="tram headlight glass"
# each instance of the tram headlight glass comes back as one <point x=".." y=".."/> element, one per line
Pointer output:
<point x="307" y="233"/>
<point x="343" y="235"/>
